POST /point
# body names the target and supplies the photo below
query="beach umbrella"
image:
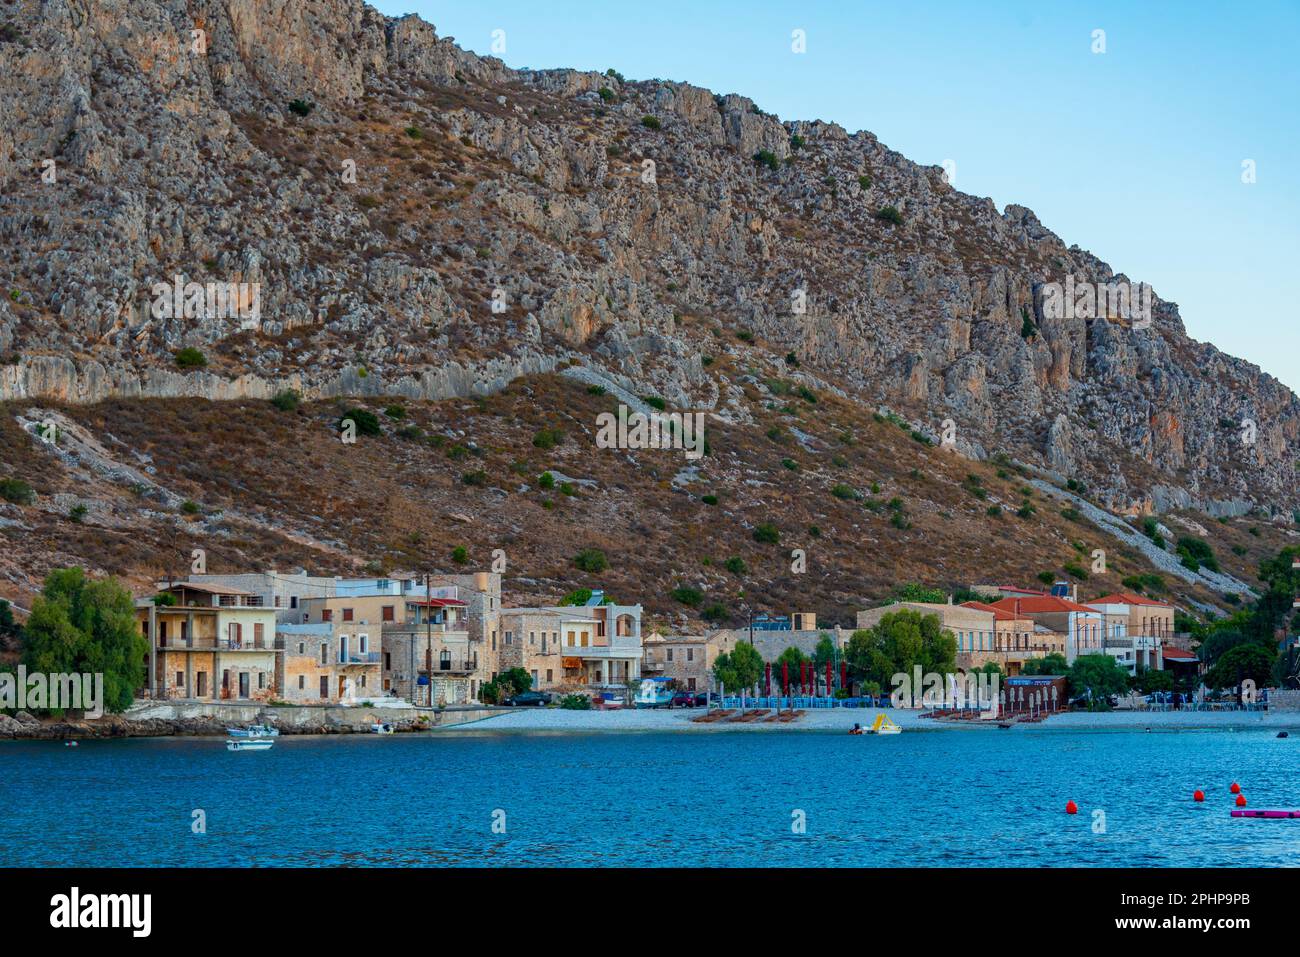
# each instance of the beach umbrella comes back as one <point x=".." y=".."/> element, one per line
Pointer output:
<point x="767" y="678"/>
<point x="785" y="678"/>
<point x="844" y="675"/>
<point x="829" y="679"/>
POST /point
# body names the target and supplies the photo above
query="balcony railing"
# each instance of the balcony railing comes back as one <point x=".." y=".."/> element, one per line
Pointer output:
<point x="462" y="666"/>
<point x="173" y="643"/>
<point x="358" y="658"/>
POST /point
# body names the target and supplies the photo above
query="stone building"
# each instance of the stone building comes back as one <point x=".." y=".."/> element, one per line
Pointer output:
<point x="327" y="663"/>
<point x="687" y="659"/>
<point x="208" y="642"/>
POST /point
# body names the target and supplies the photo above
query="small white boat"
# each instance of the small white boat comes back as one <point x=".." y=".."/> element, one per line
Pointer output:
<point x="884" y="725"/>
<point x="254" y="731"/>
<point x="249" y="744"/>
<point x="380" y="727"/>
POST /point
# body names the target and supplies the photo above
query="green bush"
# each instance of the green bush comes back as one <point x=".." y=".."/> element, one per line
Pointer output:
<point x="460" y="554"/>
<point x="654" y="402"/>
<point x="476" y="478"/>
<point x="864" y="182"/>
<point x="190" y="507"/>
<point x="715" y="612"/>
<point x="575" y="702"/>
<point x="78" y="512"/>
<point x="395" y="412"/>
<point x="548" y="438"/>
<point x="300" y="107"/>
<point x="767" y="158"/>
<point x="606" y="94"/>
<point x="736" y="565"/>
<point x="363" y="420"/>
<point x="17" y="491"/>
<point x="709" y="499"/>
<point x="591" y="560"/>
<point x="847" y="492"/>
<point x="890" y="214"/>
<point x="767" y="533"/>
<point x="651" y="122"/>
<point x="595" y="390"/>
<point x="190" y="358"/>
<point x="688" y="595"/>
<point x="546" y="481"/>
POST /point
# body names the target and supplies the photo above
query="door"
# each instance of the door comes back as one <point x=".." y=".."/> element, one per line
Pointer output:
<point x="343" y="648"/>
<point x="325" y="687"/>
<point x="243" y="684"/>
<point x="202" y="685"/>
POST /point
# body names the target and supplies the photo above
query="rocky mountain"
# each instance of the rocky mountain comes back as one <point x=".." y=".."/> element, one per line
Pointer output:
<point x="369" y="210"/>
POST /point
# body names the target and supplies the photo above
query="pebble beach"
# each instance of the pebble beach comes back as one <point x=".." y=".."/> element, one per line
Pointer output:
<point x="549" y="720"/>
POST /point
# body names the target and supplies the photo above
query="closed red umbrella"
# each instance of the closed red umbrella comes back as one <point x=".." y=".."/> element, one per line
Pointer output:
<point x="844" y="675"/>
<point x="785" y="677"/>
<point x="803" y="676"/>
<point x="767" y="678"/>
<point x="829" y="679"/>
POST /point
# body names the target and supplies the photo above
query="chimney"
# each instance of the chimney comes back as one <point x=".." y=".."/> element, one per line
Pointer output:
<point x="1017" y="607"/>
<point x="1076" y="592"/>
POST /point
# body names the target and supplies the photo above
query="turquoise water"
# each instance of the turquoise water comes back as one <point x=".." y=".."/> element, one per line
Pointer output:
<point x="958" y="798"/>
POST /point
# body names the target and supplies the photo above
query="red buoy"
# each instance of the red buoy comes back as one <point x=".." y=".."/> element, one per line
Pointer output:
<point x="1071" y="808"/>
<point x="1198" y="795"/>
<point x="1241" y="800"/>
<point x="1236" y="788"/>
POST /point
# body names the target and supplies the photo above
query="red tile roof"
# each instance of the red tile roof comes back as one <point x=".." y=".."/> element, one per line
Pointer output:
<point x="1042" y="605"/>
<point x="999" y="614"/>
<point x="1177" y="654"/>
<point x="1128" y="598"/>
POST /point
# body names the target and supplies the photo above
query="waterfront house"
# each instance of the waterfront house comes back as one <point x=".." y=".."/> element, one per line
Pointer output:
<point x="599" y="644"/>
<point x="1148" y="626"/>
<point x="1083" y="627"/>
<point x="429" y="657"/>
<point x="208" y="642"/>
<point x="327" y="663"/>
<point x="1014" y="641"/>
<point x="687" y="659"/>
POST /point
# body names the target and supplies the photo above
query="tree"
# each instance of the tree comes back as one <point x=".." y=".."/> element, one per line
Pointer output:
<point x="515" y="681"/>
<point x="1246" y="662"/>
<point x="10" y="630"/>
<point x="1148" y="681"/>
<point x="902" y="640"/>
<point x="824" y="652"/>
<point x="83" y="626"/>
<point x="1098" y="676"/>
<point x="792" y="658"/>
<point x="915" y="591"/>
<point x="1049" y="664"/>
<point x="740" y="669"/>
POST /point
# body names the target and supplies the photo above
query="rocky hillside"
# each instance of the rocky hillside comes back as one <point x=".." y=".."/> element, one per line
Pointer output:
<point x="412" y="220"/>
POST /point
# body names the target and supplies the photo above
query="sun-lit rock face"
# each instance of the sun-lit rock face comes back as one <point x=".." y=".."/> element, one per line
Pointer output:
<point x="441" y="223"/>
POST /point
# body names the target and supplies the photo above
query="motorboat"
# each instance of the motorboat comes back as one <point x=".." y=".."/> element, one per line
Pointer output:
<point x="250" y="744"/>
<point x="382" y="727"/>
<point x="654" y="693"/>
<point x="254" y="731"/>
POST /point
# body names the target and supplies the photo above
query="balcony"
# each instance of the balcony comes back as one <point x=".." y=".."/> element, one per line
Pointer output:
<point x="358" y="658"/>
<point x="454" y="666"/>
<point x="171" y="643"/>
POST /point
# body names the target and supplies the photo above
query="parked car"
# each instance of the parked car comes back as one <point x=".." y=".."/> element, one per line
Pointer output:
<point x="537" y="698"/>
<point x="688" y="699"/>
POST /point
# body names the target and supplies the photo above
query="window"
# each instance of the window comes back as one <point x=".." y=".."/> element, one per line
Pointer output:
<point x="293" y="601"/>
<point x="549" y="676"/>
<point x="324" y="686"/>
<point x="363" y="680"/>
<point x="690" y="654"/>
<point x="302" y="647"/>
<point x="277" y="601"/>
<point x="363" y="644"/>
<point x="387" y="613"/>
<point x="261" y="679"/>
<point x="347" y="614"/>
<point x="180" y="678"/>
<point x="388" y="661"/>
<point x="532" y="638"/>
<point x="670" y="654"/>
<point x="327" y="614"/>
<point x="494" y="639"/>
<point x="510" y="635"/>
<point x="259" y="634"/>
<point x="302" y="682"/>
<point x="534" y="677"/>
<point x="324" y="653"/>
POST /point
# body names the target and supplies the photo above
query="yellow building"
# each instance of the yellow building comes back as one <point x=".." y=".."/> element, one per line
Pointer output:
<point x="208" y="642"/>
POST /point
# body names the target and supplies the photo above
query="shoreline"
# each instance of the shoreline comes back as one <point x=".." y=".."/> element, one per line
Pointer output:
<point x="633" y="721"/>
<point x="831" y="720"/>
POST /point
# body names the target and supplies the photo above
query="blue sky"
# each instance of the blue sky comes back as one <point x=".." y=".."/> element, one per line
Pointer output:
<point x="1134" y="154"/>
